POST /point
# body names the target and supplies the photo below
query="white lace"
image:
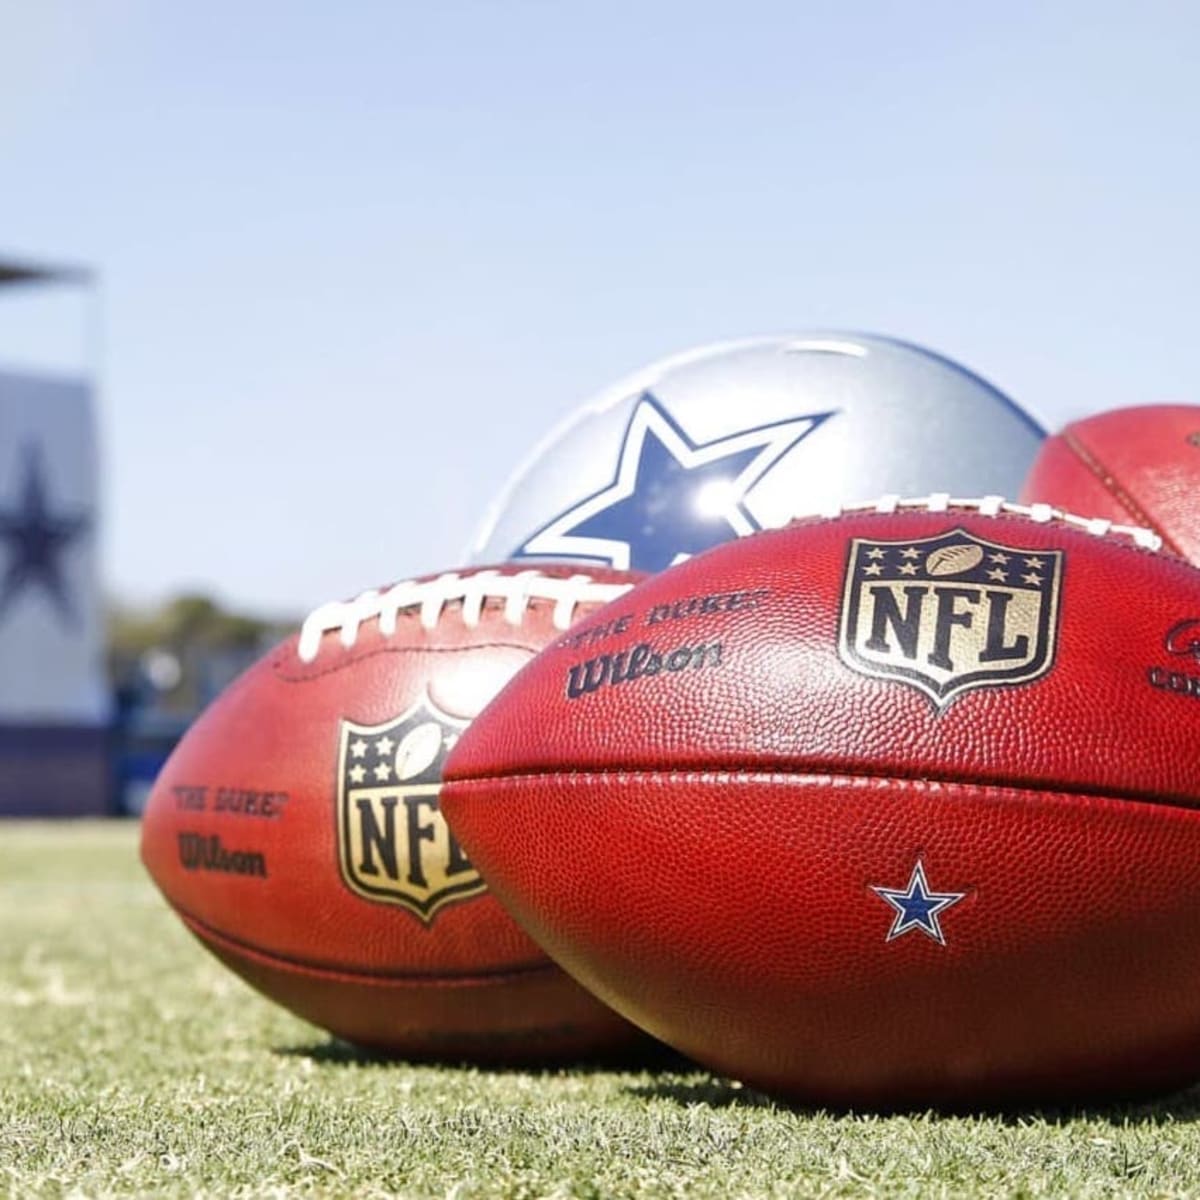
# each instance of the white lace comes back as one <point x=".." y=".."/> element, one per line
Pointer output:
<point x="993" y="506"/>
<point x="472" y="590"/>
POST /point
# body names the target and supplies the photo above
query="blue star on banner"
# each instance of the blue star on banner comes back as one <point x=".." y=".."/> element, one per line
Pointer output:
<point x="35" y="537"/>
<point x="671" y="497"/>
<point x="917" y="907"/>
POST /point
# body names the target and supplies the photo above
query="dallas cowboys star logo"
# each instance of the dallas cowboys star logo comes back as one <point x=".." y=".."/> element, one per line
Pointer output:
<point x="671" y="497"/>
<point x="36" y="537"/>
<point x="917" y="907"/>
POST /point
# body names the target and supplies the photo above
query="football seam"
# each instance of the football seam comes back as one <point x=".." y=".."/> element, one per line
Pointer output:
<point x="861" y="779"/>
<point x="206" y="931"/>
<point x="1108" y="481"/>
<point x="1009" y="520"/>
<point x="284" y="675"/>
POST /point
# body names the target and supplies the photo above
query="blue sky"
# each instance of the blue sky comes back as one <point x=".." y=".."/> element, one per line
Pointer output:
<point x="357" y="259"/>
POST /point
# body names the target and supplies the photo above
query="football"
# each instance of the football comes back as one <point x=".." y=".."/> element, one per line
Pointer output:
<point x="726" y="439"/>
<point x="893" y="807"/>
<point x="296" y="828"/>
<point x="1139" y="465"/>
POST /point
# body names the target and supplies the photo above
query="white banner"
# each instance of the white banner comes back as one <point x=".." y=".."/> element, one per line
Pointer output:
<point x="51" y="621"/>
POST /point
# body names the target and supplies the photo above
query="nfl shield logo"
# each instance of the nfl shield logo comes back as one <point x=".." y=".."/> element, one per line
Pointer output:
<point x="394" y="847"/>
<point x="950" y="613"/>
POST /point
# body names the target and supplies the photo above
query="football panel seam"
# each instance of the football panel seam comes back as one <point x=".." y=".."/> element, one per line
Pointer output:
<point x="817" y="778"/>
<point x="330" y="973"/>
<point x="1108" y="481"/>
<point x="285" y="674"/>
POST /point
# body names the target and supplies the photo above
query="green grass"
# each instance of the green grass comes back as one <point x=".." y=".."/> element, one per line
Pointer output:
<point x="131" y="1063"/>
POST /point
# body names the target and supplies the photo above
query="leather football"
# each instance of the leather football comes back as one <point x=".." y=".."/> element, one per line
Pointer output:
<point x="1137" y="465"/>
<point x="296" y="828"/>
<point x="895" y="807"/>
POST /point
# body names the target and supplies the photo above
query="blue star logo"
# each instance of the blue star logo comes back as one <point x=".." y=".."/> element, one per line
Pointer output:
<point x="36" y="537"/>
<point x="917" y="907"/>
<point x="671" y="497"/>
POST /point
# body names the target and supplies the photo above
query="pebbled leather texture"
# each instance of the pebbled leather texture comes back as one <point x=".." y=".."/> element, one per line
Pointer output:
<point x="274" y="902"/>
<point x="707" y="848"/>
<point x="1139" y="466"/>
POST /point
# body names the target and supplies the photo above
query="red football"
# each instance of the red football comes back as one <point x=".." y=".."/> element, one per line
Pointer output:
<point x="296" y="827"/>
<point x="893" y="807"/>
<point x="1135" y="465"/>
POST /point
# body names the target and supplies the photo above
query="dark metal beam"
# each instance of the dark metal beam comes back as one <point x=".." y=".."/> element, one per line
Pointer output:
<point x="13" y="271"/>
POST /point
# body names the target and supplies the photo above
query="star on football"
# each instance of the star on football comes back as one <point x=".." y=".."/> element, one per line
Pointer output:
<point x="917" y="907"/>
<point x="671" y="497"/>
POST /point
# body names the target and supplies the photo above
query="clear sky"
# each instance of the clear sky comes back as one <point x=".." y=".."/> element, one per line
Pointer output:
<point x="357" y="258"/>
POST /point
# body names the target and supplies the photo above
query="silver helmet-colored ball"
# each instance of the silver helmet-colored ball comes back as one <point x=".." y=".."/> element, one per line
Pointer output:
<point x="727" y="439"/>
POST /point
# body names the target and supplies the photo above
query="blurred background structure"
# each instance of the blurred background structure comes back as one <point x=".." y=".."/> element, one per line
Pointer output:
<point x="165" y="663"/>
<point x="93" y="693"/>
<point x="55" y="705"/>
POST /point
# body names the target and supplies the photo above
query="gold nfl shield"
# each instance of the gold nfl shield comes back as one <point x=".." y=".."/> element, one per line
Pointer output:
<point x="394" y="846"/>
<point x="950" y="613"/>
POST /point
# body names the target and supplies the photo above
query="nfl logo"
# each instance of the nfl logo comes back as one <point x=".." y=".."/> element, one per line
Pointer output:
<point x="950" y="613"/>
<point x="394" y="846"/>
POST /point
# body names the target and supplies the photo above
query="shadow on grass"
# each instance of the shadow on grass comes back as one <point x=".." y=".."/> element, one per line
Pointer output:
<point x="643" y="1055"/>
<point x="715" y="1092"/>
<point x="693" y="1086"/>
<point x="332" y="1052"/>
<point x="681" y="1081"/>
<point x="1179" y="1107"/>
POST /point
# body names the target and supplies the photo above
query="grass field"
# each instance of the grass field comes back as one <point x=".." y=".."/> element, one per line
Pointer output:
<point x="131" y="1063"/>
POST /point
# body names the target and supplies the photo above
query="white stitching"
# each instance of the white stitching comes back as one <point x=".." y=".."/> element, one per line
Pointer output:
<point x="471" y="589"/>
<point x="994" y="506"/>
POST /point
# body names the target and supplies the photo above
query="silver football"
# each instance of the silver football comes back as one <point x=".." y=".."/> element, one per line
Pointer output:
<point x="727" y="439"/>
